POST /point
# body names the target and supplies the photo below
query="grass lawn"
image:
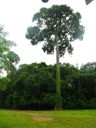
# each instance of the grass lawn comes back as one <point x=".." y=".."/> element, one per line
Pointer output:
<point x="48" y="119"/>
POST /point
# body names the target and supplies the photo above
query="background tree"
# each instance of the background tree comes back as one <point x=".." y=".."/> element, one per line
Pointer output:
<point x="11" y="60"/>
<point x="90" y="66"/>
<point x="4" y="81"/>
<point x="8" y="58"/>
<point x="31" y="88"/>
<point x="56" y="27"/>
<point x="5" y="46"/>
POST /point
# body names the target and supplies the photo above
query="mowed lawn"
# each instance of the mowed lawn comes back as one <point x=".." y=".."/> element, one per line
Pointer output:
<point x="48" y="119"/>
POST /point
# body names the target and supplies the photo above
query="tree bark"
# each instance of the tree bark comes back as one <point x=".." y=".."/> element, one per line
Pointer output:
<point x="58" y="79"/>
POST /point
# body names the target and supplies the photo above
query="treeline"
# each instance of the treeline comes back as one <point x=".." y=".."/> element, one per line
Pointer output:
<point x="33" y="87"/>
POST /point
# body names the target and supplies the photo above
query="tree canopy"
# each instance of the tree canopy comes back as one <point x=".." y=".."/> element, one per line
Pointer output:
<point x="60" y="20"/>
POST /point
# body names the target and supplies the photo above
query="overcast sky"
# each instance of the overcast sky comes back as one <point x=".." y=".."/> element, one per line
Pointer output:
<point x="16" y="16"/>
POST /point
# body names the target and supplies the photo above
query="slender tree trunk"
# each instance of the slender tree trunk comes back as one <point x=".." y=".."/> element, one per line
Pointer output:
<point x="58" y="79"/>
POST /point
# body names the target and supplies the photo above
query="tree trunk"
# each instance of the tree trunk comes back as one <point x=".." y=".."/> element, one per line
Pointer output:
<point x="58" y="79"/>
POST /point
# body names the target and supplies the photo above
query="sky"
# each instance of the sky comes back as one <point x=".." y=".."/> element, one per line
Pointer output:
<point x="16" y="16"/>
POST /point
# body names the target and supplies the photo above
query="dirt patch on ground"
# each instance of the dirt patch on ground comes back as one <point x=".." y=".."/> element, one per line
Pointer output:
<point x="42" y="118"/>
<point x="38" y="117"/>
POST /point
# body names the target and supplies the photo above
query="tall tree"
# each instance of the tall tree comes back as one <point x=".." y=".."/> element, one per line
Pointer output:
<point x="56" y="27"/>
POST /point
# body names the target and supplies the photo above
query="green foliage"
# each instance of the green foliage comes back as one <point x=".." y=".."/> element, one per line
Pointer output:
<point x="48" y="101"/>
<point x="60" y="20"/>
<point x="4" y="82"/>
<point x="7" y="57"/>
<point x="29" y="86"/>
<point x="91" y="104"/>
<point x="11" y="60"/>
<point x="33" y="87"/>
<point x="91" y="66"/>
<point x="13" y="57"/>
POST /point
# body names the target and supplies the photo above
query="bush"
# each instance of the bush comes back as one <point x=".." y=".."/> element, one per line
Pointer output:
<point x="91" y="104"/>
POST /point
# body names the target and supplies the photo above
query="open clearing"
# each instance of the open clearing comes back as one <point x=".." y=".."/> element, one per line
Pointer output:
<point x="48" y="119"/>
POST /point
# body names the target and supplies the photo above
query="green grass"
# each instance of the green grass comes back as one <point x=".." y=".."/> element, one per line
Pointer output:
<point x="59" y="119"/>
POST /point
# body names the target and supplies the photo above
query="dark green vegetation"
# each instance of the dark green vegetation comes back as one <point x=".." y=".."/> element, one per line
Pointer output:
<point x="48" y="119"/>
<point x="56" y="27"/>
<point x="33" y="87"/>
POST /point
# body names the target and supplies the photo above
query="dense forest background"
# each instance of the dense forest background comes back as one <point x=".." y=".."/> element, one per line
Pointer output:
<point x="33" y="87"/>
